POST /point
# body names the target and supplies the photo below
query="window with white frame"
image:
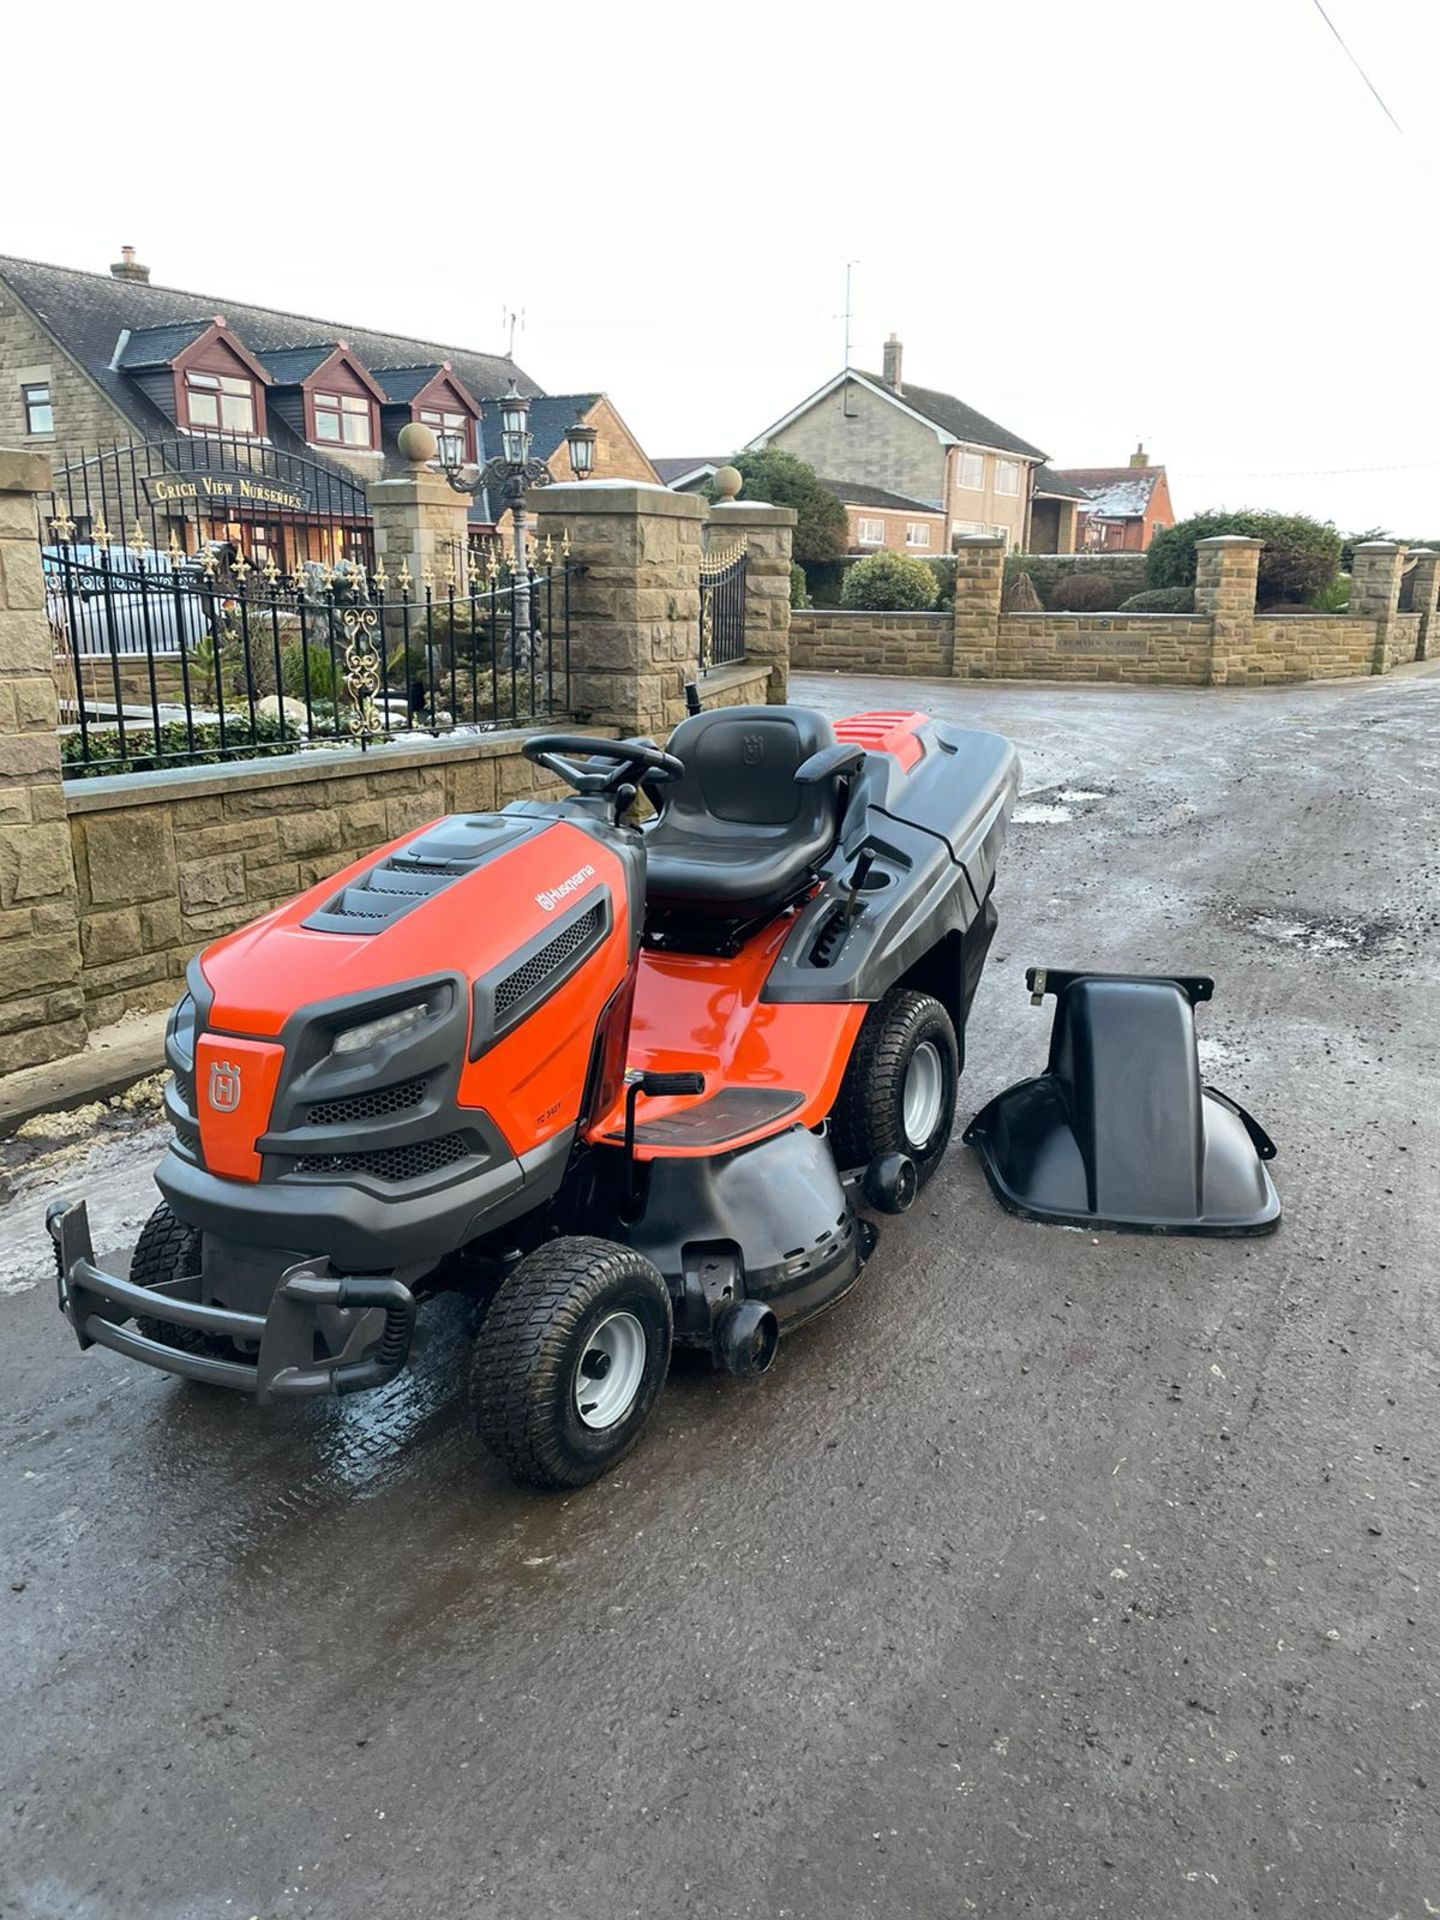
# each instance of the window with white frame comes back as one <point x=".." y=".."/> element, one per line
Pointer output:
<point x="917" y="533"/>
<point x="958" y="528"/>
<point x="1007" y="476"/>
<point x="970" y="471"/>
<point x="871" y="533"/>
<point x="39" y="410"/>
<point x="221" y="400"/>
<point x="343" y="419"/>
<point x="1001" y="533"/>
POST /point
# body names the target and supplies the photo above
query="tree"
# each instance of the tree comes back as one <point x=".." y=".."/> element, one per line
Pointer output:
<point x="1299" y="560"/>
<point x="822" y="531"/>
<point x="890" y="583"/>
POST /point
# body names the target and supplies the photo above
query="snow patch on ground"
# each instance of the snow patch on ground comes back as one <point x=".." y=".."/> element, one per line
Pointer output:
<point x="1040" y="813"/>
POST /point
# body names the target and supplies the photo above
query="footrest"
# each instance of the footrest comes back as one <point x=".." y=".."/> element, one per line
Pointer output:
<point x="727" y="1115"/>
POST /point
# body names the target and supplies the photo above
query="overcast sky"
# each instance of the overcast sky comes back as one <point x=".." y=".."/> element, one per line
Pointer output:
<point x="1182" y="219"/>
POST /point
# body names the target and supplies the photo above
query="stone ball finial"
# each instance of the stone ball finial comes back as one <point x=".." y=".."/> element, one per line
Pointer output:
<point x="417" y="443"/>
<point x="727" y="482"/>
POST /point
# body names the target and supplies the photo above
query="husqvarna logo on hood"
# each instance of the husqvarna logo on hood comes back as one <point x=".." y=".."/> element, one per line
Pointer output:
<point x="224" y="1086"/>
<point x="552" y="897"/>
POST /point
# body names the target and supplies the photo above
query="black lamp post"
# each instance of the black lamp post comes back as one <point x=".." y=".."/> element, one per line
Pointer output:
<point x="512" y="471"/>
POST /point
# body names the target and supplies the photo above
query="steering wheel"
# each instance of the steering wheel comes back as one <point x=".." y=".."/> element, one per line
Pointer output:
<point x="632" y="760"/>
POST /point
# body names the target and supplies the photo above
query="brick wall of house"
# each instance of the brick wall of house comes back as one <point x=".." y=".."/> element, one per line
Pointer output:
<point x="83" y="416"/>
<point x="877" y="444"/>
<point x="618" y="454"/>
<point x="895" y="521"/>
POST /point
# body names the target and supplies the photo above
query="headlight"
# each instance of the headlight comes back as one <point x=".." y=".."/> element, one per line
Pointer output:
<point x="370" y="1032"/>
<point x="182" y="1028"/>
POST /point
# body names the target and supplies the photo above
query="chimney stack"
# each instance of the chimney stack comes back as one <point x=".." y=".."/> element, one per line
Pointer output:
<point x="127" y="267"/>
<point x="893" y="350"/>
<point x="1140" y="458"/>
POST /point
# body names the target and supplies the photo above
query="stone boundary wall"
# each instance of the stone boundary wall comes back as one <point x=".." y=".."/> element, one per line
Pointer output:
<point x="834" y="640"/>
<point x="1309" y="646"/>
<point x="167" y="862"/>
<point x="1225" y="642"/>
<point x="1160" y="648"/>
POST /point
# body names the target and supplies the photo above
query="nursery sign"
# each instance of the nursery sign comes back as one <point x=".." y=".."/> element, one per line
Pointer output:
<point x="225" y="490"/>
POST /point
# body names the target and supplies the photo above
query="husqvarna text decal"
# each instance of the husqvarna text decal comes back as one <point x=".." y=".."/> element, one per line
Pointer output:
<point x="552" y="896"/>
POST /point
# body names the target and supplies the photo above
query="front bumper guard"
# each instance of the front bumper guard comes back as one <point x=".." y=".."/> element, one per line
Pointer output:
<point x="97" y="1304"/>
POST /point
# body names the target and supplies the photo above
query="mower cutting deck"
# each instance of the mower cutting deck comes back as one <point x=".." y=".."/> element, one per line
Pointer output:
<point x="629" y="1087"/>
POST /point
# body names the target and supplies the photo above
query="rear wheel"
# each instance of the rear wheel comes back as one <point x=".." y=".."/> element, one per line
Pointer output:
<point x="166" y="1250"/>
<point x="898" y="1094"/>
<point x="570" y="1360"/>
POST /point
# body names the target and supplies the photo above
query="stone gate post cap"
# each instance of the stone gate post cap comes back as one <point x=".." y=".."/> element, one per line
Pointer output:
<point x="1379" y="546"/>
<point x="980" y="540"/>
<point x="635" y="497"/>
<point x="1424" y="553"/>
<point x="1233" y="541"/>
<point x="23" y="472"/>
<point x="727" y="482"/>
<point x="752" y="513"/>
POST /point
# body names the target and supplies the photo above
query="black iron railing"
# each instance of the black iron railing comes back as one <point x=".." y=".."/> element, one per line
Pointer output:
<point x="169" y="659"/>
<point x="722" y="608"/>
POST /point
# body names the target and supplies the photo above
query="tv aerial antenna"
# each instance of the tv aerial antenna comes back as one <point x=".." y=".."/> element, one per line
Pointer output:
<point x="847" y="317"/>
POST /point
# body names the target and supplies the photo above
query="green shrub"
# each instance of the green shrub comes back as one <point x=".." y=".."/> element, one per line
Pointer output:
<point x="304" y="666"/>
<point x="889" y="583"/>
<point x="1300" y="558"/>
<point x="943" y="568"/>
<point x="1160" y="600"/>
<point x="799" y="596"/>
<point x="1083" y="593"/>
<point x="140" y="756"/>
<point x="1335" y="598"/>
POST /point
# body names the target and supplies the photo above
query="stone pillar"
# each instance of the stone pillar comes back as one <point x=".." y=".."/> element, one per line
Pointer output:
<point x="1424" y="593"/>
<point x="418" y="516"/>
<point x="979" y="580"/>
<point x="1227" y="568"/>
<point x="1375" y="576"/>
<point x="42" y="1008"/>
<point x="767" y="532"/>
<point x="634" y="597"/>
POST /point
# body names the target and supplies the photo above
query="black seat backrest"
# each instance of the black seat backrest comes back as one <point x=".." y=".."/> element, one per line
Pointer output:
<point x="740" y="765"/>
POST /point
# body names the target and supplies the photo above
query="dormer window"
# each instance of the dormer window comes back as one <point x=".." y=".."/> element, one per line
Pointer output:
<point x="344" y="419"/>
<point x="224" y="402"/>
<point x="452" y="430"/>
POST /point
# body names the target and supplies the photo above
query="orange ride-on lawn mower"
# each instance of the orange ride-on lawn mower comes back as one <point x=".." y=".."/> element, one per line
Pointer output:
<point x="630" y="1087"/>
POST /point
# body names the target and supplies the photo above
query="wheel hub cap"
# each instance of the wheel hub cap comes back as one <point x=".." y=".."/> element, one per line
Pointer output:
<point x="610" y="1370"/>
<point x="924" y="1095"/>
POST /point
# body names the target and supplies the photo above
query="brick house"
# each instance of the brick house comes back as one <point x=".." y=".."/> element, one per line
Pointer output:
<point x="918" y="443"/>
<point x="1125" y="507"/>
<point x="879" y="518"/>
<point x="89" y="360"/>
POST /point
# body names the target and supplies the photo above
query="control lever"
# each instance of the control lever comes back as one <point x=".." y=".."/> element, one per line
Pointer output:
<point x="859" y="874"/>
<point x="655" y="1086"/>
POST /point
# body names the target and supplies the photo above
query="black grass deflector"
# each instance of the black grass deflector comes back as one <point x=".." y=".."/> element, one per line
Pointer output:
<point x="1120" y="1131"/>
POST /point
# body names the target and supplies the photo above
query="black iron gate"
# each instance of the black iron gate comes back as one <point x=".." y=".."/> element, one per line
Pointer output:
<point x="722" y="607"/>
<point x="208" y="493"/>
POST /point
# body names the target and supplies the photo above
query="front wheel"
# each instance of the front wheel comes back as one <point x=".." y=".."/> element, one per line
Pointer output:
<point x="898" y="1094"/>
<point x="167" y="1250"/>
<point x="570" y="1360"/>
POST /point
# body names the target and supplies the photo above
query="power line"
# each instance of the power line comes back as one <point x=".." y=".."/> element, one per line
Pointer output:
<point x="1358" y="68"/>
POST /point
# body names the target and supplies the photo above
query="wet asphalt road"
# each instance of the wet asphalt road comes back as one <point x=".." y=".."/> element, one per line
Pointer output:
<point x="1043" y="1576"/>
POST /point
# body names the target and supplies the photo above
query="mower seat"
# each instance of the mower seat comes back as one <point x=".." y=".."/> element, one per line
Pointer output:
<point x="736" y="835"/>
